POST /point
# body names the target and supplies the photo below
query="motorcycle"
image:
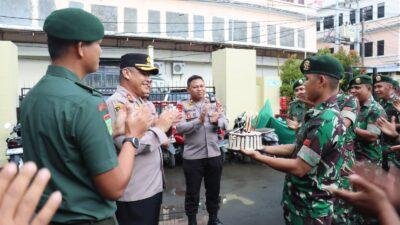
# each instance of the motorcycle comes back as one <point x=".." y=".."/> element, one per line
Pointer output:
<point x="14" y="149"/>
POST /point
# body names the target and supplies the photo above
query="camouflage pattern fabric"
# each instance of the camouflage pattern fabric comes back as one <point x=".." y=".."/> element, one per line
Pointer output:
<point x="297" y="109"/>
<point x="370" y="111"/>
<point x="342" y="210"/>
<point x="391" y="112"/>
<point x="292" y="218"/>
<point x="319" y="143"/>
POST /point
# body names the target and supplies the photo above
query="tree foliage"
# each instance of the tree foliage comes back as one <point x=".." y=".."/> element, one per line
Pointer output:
<point x="290" y="70"/>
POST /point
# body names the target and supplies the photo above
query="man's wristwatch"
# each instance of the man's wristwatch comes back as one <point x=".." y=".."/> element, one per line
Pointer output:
<point x="135" y="141"/>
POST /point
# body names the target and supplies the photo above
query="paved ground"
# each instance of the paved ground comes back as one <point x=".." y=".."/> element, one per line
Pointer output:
<point x="251" y="195"/>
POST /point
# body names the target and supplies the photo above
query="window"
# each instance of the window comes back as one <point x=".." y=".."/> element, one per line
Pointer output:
<point x="218" y="30"/>
<point x="332" y="50"/>
<point x="271" y="29"/>
<point x="318" y="25"/>
<point x="154" y="22"/>
<point x="352" y="16"/>
<point x="130" y="20"/>
<point x="107" y="15"/>
<point x="45" y="8"/>
<point x="286" y="37"/>
<point x="177" y="24"/>
<point x="255" y="32"/>
<point x="78" y="5"/>
<point x="380" y="47"/>
<point x="301" y="38"/>
<point x="105" y="76"/>
<point x="9" y="9"/>
<point x="381" y="10"/>
<point x="351" y="46"/>
<point x="238" y="29"/>
<point x="366" y="12"/>
<point x="340" y="19"/>
<point x="198" y="26"/>
<point x="328" y="22"/>
<point x="368" y="49"/>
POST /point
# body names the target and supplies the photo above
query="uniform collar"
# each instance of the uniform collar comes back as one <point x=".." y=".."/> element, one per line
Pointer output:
<point x="124" y="92"/>
<point x="368" y="102"/>
<point x="63" y="72"/>
<point x="329" y="103"/>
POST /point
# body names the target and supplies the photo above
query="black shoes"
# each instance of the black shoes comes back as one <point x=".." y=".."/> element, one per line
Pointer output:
<point x="213" y="220"/>
<point x="192" y="220"/>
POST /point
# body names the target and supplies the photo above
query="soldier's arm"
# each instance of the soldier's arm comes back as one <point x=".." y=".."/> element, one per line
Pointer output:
<point x="367" y="135"/>
<point x="348" y="116"/>
<point x="280" y="150"/>
<point x="295" y="166"/>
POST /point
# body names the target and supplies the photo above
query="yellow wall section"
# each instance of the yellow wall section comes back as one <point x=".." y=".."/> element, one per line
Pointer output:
<point x="8" y="91"/>
<point x="234" y="75"/>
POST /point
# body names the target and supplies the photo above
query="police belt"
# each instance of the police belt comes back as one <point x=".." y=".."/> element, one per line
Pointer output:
<point x="108" y="221"/>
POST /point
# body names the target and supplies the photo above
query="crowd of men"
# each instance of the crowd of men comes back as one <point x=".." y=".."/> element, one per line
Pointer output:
<point x="344" y="141"/>
<point x="105" y="158"/>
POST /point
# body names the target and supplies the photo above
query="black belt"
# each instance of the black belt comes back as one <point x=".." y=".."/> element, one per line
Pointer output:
<point x="108" y="221"/>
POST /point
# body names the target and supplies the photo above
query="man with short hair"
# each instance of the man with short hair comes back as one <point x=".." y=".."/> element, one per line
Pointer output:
<point x="384" y="87"/>
<point x="201" y="154"/>
<point x="141" y="202"/>
<point x="315" y="159"/>
<point x="66" y="126"/>
<point x="367" y="142"/>
<point x="297" y="108"/>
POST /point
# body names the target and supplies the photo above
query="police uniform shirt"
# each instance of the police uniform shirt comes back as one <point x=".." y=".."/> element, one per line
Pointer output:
<point x="200" y="139"/>
<point x="147" y="175"/>
<point x="66" y="128"/>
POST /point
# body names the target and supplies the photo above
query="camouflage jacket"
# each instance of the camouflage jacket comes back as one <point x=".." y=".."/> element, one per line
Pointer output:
<point x="370" y="111"/>
<point x="390" y="110"/>
<point x="319" y="143"/>
<point x="297" y="109"/>
<point x="348" y="101"/>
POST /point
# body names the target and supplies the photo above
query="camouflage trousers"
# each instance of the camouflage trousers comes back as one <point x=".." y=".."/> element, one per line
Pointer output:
<point x="294" y="219"/>
<point x="342" y="211"/>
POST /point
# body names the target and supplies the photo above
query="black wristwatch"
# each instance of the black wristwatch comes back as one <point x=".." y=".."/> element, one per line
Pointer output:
<point x="135" y="141"/>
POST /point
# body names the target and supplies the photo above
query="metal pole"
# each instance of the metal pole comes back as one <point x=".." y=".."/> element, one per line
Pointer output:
<point x="362" y="38"/>
<point x="336" y="24"/>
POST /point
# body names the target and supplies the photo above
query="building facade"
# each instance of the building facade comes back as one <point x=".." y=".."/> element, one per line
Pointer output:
<point x="183" y="34"/>
<point x="377" y="22"/>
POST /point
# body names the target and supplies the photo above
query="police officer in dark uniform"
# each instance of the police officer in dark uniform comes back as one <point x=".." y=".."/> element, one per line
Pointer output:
<point x="66" y="126"/>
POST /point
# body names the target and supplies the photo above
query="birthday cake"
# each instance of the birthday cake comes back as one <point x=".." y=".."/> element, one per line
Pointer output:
<point x="245" y="140"/>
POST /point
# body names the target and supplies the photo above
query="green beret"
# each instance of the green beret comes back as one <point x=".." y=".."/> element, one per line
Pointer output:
<point x="395" y="83"/>
<point x="299" y="82"/>
<point x="73" y="24"/>
<point x="361" y="79"/>
<point x="322" y="64"/>
<point x="379" y="78"/>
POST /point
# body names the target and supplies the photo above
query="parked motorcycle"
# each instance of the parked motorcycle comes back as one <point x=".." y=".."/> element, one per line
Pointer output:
<point x="14" y="145"/>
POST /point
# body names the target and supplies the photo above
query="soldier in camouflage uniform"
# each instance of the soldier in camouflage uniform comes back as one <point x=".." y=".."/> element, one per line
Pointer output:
<point x="367" y="142"/>
<point x="384" y="90"/>
<point x="297" y="108"/>
<point x="349" y="109"/>
<point x="315" y="159"/>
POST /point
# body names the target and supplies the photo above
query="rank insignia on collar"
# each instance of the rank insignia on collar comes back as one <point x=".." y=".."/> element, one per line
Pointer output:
<point x="306" y="65"/>
<point x="358" y="80"/>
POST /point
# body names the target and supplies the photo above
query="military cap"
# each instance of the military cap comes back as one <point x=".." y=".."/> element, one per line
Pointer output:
<point x="139" y="61"/>
<point x="322" y="64"/>
<point x="73" y="24"/>
<point x="395" y="83"/>
<point x="299" y="82"/>
<point x="379" y="78"/>
<point x="361" y="79"/>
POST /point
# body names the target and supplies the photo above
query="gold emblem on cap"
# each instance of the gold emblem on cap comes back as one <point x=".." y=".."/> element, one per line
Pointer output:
<point x="306" y="65"/>
<point x="358" y="80"/>
<point x="148" y="60"/>
<point x="378" y="78"/>
<point x="300" y="81"/>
